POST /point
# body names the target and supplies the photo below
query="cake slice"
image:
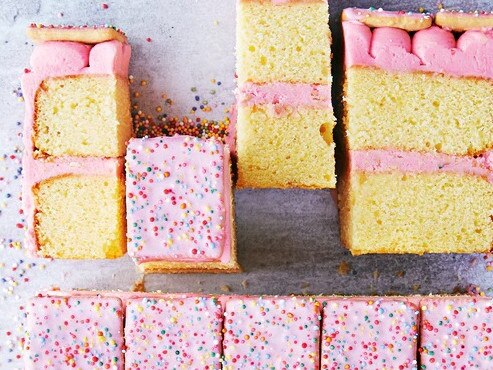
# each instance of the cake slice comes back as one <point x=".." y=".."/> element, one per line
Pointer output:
<point x="418" y="133"/>
<point x="369" y="333"/>
<point x="74" y="332"/>
<point x="77" y="125"/>
<point x="173" y="333"/>
<point x="180" y="212"/>
<point x="456" y="333"/>
<point x="271" y="333"/>
<point x="285" y="120"/>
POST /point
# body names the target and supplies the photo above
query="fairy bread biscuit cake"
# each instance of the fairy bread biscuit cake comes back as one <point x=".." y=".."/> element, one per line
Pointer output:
<point x="284" y="119"/>
<point x="77" y="125"/>
<point x="180" y="211"/>
<point x="418" y="133"/>
<point x="196" y="331"/>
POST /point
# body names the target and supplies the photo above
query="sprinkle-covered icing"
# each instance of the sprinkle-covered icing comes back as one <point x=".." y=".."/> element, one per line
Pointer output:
<point x="369" y="334"/>
<point x="271" y="333"/>
<point x="178" y="199"/>
<point x="79" y="333"/>
<point x="56" y="59"/>
<point x="173" y="333"/>
<point x="457" y="333"/>
<point x="430" y="50"/>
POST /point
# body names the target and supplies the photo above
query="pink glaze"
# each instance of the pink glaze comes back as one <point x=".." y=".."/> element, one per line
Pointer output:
<point x="285" y="94"/>
<point x="178" y="200"/>
<point x="413" y="162"/>
<point x="456" y="333"/>
<point x="55" y="59"/>
<point x="430" y="50"/>
<point x="271" y="333"/>
<point x="173" y="333"/>
<point x="74" y="332"/>
<point x="369" y="333"/>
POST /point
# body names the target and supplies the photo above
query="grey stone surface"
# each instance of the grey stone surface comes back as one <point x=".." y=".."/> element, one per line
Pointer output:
<point x="288" y="240"/>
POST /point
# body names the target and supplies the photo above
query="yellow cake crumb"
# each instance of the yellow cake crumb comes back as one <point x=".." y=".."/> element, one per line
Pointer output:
<point x="294" y="149"/>
<point x="80" y="217"/>
<point x="416" y="213"/>
<point x="82" y="116"/>
<point x="418" y="112"/>
<point x="283" y="42"/>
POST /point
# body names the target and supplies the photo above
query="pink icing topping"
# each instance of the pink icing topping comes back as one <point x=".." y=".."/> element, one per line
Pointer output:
<point x="80" y="333"/>
<point x="54" y="59"/>
<point x="271" y="333"/>
<point x="414" y="162"/>
<point x="430" y="50"/>
<point x="369" y="334"/>
<point x="285" y="94"/>
<point x="178" y="199"/>
<point x="456" y="333"/>
<point x="173" y="333"/>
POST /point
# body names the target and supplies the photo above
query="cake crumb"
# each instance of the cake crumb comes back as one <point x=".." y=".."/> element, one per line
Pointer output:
<point x="244" y="284"/>
<point x="139" y="285"/>
<point x="344" y="268"/>
<point x="225" y="288"/>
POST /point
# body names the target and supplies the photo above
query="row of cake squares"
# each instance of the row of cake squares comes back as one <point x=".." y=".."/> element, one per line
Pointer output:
<point x="114" y="330"/>
<point x="418" y="133"/>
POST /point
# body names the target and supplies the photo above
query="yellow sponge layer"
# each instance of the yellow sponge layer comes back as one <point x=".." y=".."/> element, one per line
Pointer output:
<point x="416" y="213"/>
<point x="80" y="217"/>
<point x="283" y="43"/>
<point x="290" y="150"/>
<point x="417" y="111"/>
<point x="82" y="116"/>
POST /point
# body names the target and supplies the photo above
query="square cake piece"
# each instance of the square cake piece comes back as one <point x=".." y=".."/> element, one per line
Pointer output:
<point x="284" y="111"/>
<point x="74" y="332"/>
<point x="369" y="333"/>
<point x="173" y="333"/>
<point x="180" y="212"/>
<point x="271" y="333"/>
<point x="456" y="333"/>
<point x="77" y="125"/>
<point x="418" y="127"/>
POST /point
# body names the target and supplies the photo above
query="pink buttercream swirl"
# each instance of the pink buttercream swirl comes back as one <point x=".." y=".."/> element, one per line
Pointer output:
<point x="430" y="50"/>
<point x="55" y="59"/>
<point x="379" y="160"/>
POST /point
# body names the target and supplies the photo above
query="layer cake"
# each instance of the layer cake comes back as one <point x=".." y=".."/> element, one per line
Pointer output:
<point x="418" y="133"/>
<point x="77" y="125"/>
<point x="285" y="120"/>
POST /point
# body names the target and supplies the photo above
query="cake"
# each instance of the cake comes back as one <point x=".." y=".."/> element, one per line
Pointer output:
<point x="271" y="333"/>
<point x="180" y="212"/>
<point x="74" y="332"/>
<point x="80" y="329"/>
<point x="456" y="333"/>
<point x="369" y="333"/>
<point x="173" y="333"/>
<point x="284" y="112"/>
<point x="418" y="133"/>
<point x="75" y="132"/>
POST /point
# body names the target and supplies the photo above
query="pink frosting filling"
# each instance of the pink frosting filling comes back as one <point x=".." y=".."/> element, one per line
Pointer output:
<point x="178" y="200"/>
<point x="55" y="59"/>
<point x="285" y="94"/>
<point x="414" y="162"/>
<point x="430" y="50"/>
